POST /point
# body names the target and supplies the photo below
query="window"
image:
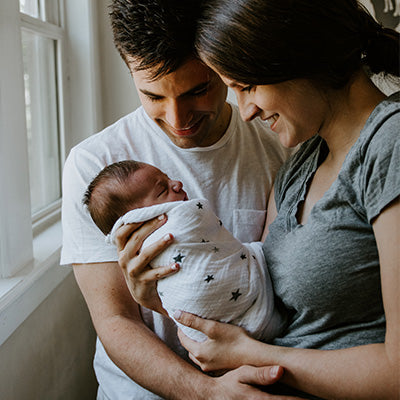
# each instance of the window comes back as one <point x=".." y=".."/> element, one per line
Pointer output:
<point x="46" y="10"/>
<point x="40" y="100"/>
<point x="31" y="126"/>
<point x="42" y="54"/>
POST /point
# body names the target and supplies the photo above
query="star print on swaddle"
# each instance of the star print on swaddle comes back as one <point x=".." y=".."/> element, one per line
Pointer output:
<point x="179" y="258"/>
<point x="219" y="278"/>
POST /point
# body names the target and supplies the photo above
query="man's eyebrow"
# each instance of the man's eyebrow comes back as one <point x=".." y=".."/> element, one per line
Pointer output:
<point x="196" y="88"/>
<point x="188" y="92"/>
<point x="147" y="93"/>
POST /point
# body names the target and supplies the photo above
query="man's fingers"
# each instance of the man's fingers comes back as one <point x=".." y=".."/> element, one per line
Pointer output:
<point x="260" y="375"/>
<point x="196" y="361"/>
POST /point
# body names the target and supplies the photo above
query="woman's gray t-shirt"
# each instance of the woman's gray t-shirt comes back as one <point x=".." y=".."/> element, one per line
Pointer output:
<point x="326" y="273"/>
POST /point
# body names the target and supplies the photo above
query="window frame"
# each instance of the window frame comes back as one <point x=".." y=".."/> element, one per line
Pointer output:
<point x="15" y="206"/>
<point x="30" y="249"/>
<point x="48" y="215"/>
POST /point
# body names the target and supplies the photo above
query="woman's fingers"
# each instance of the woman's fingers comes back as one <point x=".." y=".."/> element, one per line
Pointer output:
<point x="129" y="237"/>
<point x="143" y="259"/>
<point x="124" y="233"/>
<point x="195" y="322"/>
<point x="152" y="251"/>
<point x="153" y="275"/>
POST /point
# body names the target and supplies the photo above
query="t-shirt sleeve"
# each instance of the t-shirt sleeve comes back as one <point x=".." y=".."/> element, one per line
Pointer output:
<point x="83" y="242"/>
<point x="381" y="172"/>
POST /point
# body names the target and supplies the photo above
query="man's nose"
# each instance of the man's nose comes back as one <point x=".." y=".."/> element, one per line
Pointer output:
<point x="178" y="114"/>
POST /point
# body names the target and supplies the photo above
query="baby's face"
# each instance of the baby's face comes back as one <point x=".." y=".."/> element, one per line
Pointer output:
<point x="154" y="187"/>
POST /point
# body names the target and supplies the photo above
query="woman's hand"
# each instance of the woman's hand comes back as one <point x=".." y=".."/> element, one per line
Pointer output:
<point x="225" y="348"/>
<point x="134" y="262"/>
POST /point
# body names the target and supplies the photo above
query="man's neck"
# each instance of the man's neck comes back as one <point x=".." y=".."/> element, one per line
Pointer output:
<point x="221" y="126"/>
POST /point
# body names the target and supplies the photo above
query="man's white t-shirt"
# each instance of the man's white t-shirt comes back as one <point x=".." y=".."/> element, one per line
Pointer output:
<point x="235" y="175"/>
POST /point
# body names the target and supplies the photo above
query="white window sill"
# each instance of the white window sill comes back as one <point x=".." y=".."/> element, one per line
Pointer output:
<point x="21" y="294"/>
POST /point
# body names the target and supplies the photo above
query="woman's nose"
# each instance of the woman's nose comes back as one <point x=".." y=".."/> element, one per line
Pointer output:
<point x="248" y="111"/>
<point x="247" y="107"/>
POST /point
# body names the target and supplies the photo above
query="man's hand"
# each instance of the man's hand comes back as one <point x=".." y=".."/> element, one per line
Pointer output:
<point x="240" y="384"/>
<point x="134" y="262"/>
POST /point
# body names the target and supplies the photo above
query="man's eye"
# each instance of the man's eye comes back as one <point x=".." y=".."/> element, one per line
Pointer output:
<point x="200" y="92"/>
<point x="247" y="88"/>
<point x="153" y="98"/>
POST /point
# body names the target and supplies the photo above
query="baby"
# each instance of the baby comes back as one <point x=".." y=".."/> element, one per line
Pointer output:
<point x="219" y="277"/>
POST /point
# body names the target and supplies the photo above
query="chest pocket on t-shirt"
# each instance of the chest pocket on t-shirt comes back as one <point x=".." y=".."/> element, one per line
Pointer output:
<point x="248" y="225"/>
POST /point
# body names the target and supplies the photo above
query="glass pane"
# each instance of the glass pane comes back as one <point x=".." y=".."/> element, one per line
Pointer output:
<point x="51" y="11"/>
<point x="40" y="77"/>
<point x="46" y="10"/>
<point x="30" y="7"/>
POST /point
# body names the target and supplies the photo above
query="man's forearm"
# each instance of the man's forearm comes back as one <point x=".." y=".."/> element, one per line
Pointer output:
<point x="133" y="347"/>
<point x="137" y="351"/>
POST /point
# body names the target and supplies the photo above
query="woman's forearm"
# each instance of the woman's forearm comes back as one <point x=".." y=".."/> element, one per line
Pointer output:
<point x="365" y="372"/>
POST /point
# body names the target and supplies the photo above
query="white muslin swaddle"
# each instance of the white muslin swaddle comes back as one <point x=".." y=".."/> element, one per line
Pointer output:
<point x="219" y="277"/>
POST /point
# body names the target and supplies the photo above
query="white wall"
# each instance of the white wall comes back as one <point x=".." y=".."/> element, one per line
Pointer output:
<point x="50" y="355"/>
<point x="119" y="95"/>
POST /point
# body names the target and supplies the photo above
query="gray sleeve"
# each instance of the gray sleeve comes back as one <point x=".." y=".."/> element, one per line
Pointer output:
<point x="381" y="172"/>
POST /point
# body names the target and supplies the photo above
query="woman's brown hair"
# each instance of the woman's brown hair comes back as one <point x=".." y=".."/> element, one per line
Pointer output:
<point x="270" y="41"/>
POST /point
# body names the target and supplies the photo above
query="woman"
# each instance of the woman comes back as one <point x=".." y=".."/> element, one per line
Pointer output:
<point x="333" y="220"/>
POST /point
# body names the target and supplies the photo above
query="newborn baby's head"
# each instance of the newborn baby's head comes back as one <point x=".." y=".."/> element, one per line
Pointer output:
<point x="126" y="185"/>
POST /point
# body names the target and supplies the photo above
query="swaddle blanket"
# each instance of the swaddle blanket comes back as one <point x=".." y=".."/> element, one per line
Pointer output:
<point x="219" y="277"/>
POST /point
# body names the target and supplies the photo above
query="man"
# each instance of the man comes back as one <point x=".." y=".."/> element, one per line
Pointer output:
<point x="185" y="128"/>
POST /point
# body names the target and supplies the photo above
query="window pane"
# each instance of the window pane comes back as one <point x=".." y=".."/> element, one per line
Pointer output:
<point x="51" y="11"/>
<point x="46" y="10"/>
<point x="30" y="7"/>
<point x="40" y="77"/>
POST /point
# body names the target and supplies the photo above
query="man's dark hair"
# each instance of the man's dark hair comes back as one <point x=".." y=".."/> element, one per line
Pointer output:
<point x="157" y="34"/>
<point x="108" y="196"/>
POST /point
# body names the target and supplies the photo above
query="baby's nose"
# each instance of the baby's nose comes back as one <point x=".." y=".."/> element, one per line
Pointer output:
<point x="176" y="186"/>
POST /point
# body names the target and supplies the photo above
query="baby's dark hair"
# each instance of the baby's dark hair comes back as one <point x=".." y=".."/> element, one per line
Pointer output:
<point x="108" y="196"/>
